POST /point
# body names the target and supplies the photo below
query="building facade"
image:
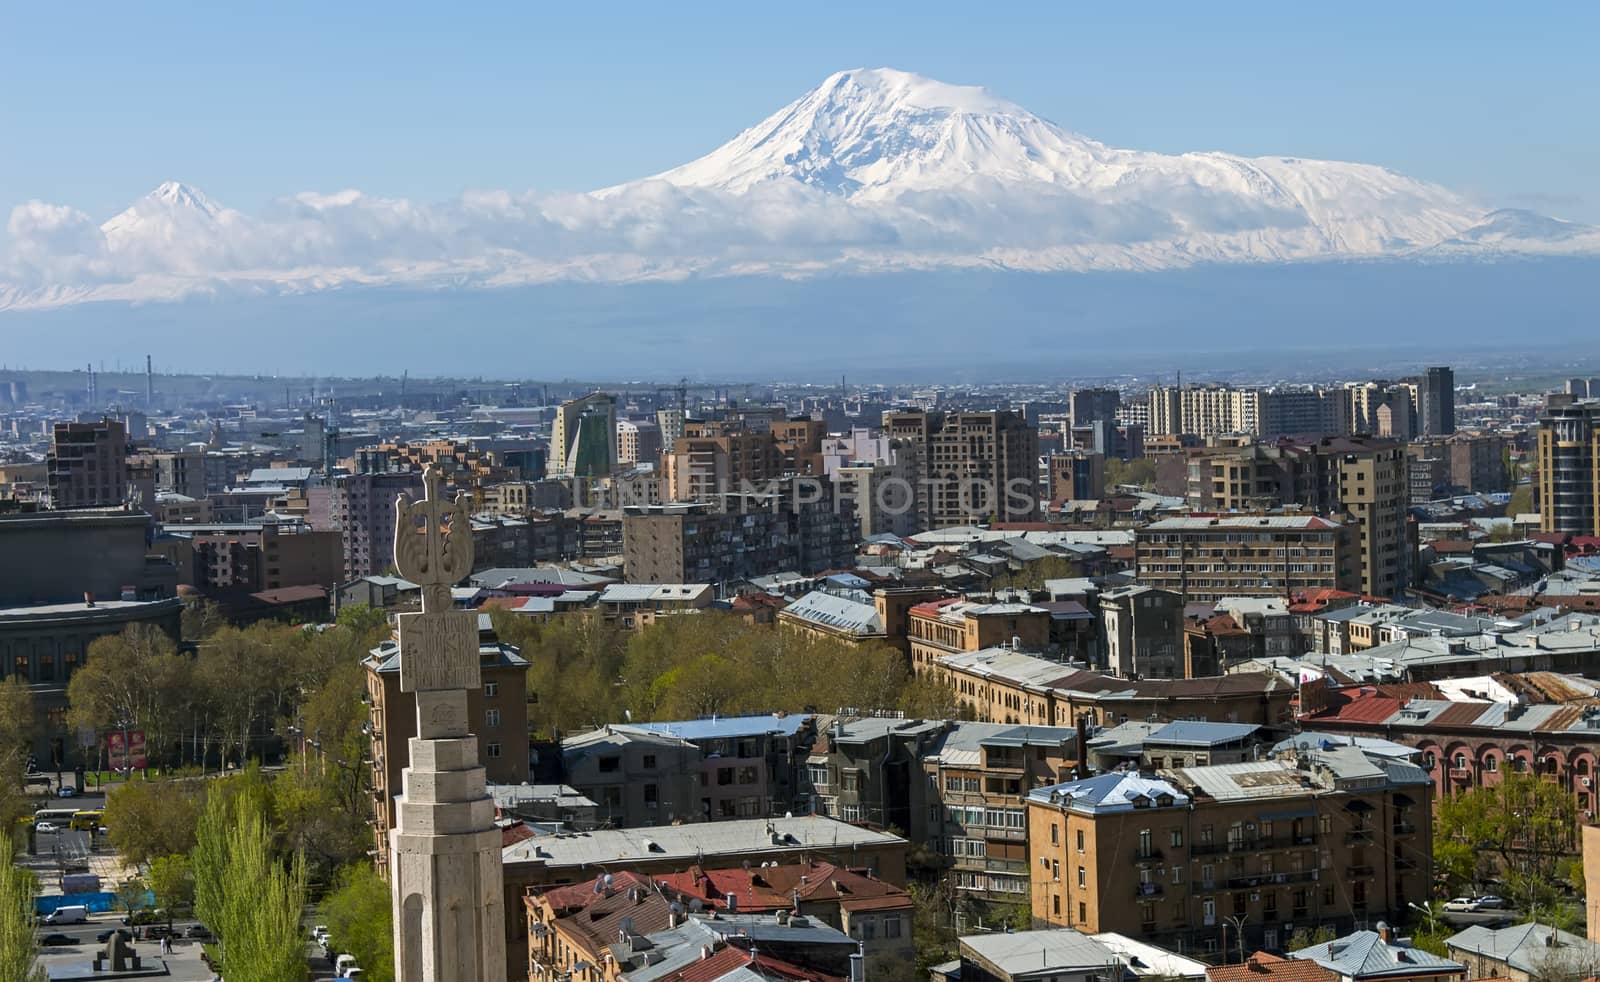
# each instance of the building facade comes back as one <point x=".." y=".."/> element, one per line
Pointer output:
<point x="1569" y="467"/>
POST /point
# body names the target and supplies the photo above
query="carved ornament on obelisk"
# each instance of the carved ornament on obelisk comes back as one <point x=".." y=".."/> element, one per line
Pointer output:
<point x="445" y="870"/>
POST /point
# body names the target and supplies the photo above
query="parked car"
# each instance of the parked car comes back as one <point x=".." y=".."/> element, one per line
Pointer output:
<point x="1460" y="905"/>
<point x="156" y="932"/>
<point x="199" y="932"/>
<point x="343" y="964"/>
<point x="67" y="792"/>
<point x="1491" y="902"/>
<point x="56" y="940"/>
<point x="105" y="935"/>
<point x="46" y="828"/>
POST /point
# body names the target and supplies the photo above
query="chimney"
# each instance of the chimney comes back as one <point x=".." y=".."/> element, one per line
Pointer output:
<point x="858" y="967"/>
<point x="1385" y="932"/>
<point x="88" y="599"/>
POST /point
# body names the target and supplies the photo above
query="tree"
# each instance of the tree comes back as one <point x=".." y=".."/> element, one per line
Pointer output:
<point x="1518" y="830"/>
<point x="1140" y="473"/>
<point x="16" y="726"/>
<point x="201" y="617"/>
<point x="360" y="913"/>
<point x="1521" y="501"/>
<point x="135" y="680"/>
<point x="132" y="894"/>
<point x="172" y="881"/>
<point x="19" y="950"/>
<point x="1303" y="938"/>
<point x="147" y="819"/>
<point x="243" y="892"/>
<point x="369" y="624"/>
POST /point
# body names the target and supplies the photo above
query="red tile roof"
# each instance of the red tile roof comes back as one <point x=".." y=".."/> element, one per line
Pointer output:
<point x="1262" y="966"/>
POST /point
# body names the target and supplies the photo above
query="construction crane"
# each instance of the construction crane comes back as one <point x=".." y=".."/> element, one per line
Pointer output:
<point x="682" y="391"/>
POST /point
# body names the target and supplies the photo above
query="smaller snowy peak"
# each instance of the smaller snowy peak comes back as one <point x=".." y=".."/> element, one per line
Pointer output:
<point x="176" y="194"/>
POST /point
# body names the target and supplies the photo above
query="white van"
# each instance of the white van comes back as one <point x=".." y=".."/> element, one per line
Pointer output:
<point x="343" y="964"/>
<point x="68" y="915"/>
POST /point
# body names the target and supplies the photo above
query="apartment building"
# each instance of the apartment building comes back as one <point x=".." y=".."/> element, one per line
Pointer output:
<point x="977" y="776"/>
<point x="1315" y="838"/>
<point x="637" y="778"/>
<point x="252" y="558"/>
<point x="88" y="465"/>
<point x="936" y="628"/>
<point x="1075" y="476"/>
<point x="717" y="457"/>
<point x="1003" y="686"/>
<point x="497" y="712"/>
<point x="1143" y="632"/>
<point x="1205" y="558"/>
<point x="754" y="535"/>
<point x="361" y="507"/>
<point x="1569" y="467"/>
<point x="457" y="461"/>
<point x="750" y="766"/>
<point x="638" y="442"/>
<point x="976" y="465"/>
<point x="870" y="770"/>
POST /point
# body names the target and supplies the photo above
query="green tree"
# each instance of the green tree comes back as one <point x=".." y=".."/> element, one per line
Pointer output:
<point x="19" y="950"/>
<point x="135" y="680"/>
<point x="146" y="818"/>
<point x="1303" y="938"/>
<point x="262" y="898"/>
<point x="1519" y="829"/>
<point x="16" y="728"/>
<point x="201" y="617"/>
<point x="132" y="894"/>
<point x="1521" y="500"/>
<point x="171" y="879"/>
<point x="1140" y="473"/>
<point x="369" y="624"/>
<point x="360" y="914"/>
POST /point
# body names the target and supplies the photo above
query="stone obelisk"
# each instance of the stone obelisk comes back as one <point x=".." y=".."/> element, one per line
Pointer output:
<point x="449" y="908"/>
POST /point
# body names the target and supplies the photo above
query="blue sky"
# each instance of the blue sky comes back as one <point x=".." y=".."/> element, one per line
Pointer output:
<point x="249" y="102"/>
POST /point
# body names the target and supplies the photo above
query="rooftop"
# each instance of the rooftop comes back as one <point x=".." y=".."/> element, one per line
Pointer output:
<point x="616" y="848"/>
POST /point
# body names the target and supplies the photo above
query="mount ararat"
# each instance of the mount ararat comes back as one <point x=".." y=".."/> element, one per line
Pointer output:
<point x="874" y="172"/>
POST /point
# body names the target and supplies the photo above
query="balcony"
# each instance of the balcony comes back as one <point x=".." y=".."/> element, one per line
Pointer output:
<point x="1147" y="855"/>
<point x="1252" y="845"/>
<point x="1145" y="891"/>
<point x="1404" y="828"/>
<point x="1257" y="880"/>
<point x="1356" y="836"/>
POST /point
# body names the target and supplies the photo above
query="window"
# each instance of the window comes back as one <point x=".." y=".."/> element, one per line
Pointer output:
<point x="1055" y="834"/>
<point x="611" y="764"/>
<point x="1177" y="875"/>
<point x="851" y="780"/>
<point x="1208" y="911"/>
<point x="818" y="774"/>
<point x="891" y="927"/>
<point x="952" y="783"/>
<point x="1080" y="840"/>
<point x="1055" y="906"/>
<point x="1241" y="903"/>
<point x="747" y="775"/>
<point x="1205" y="833"/>
<point x="1207" y="876"/>
<point x="1083" y="912"/>
<point x="1055" y="869"/>
<point x="648" y="761"/>
<point x="493" y="751"/>
<point x="1491" y="764"/>
<point x="1175" y="838"/>
<point x="724" y="775"/>
<point x="491" y="719"/>
<point x="652" y="796"/>
<point x="1146" y="844"/>
<point x="850" y="813"/>
<point x="1083" y="877"/>
<point x="491" y="689"/>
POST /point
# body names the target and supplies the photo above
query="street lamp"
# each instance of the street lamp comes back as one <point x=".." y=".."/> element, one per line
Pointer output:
<point x="1433" y="926"/>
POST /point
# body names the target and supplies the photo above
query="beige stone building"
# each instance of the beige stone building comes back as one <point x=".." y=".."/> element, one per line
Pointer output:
<point x="1205" y="558"/>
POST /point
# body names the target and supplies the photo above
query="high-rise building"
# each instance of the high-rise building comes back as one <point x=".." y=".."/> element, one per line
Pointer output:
<point x="977" y="466"/>
<point x="596" y="452"/>
<point x="1075" y="476"/>
<point x="717" y="457"/>
<point x="753" y="535"/>
<point x="1089" y="405"/>
<point x="361" y="507"/>
<point x="1362" y="477"/>
<point x="1569" y="467"/>
<point x="1205" y="558"/>
<point x="671" y="422"/>
<point x="638" y="442"/>
<point x="88" y="465"/>
<point x="1436" y="402"/>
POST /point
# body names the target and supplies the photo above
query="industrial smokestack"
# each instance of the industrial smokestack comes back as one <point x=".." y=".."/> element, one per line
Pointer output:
<point x="149" y="384"/>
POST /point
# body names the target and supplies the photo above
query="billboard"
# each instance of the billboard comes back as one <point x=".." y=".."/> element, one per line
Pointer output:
<point x="125" y="750"/>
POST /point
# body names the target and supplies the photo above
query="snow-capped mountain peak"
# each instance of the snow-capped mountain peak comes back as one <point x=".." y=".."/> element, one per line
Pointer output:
<point x="878" y="132"/>
<point x="180" y="195"/>
<point x="170" y="208"/>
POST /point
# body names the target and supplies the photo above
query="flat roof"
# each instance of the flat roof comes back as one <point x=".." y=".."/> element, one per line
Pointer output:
<point x="692" y="843"/>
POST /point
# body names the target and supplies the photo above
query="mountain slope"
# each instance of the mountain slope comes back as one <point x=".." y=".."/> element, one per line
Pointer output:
<point x="875" y="171"/>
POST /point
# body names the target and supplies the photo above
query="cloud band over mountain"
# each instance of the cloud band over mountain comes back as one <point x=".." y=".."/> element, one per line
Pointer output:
<point x="874" y="171"/>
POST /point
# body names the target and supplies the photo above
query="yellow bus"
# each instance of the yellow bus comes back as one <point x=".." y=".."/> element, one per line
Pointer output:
<point x="88" y="821"/>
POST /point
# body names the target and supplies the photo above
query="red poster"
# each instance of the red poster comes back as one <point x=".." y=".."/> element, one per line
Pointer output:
<point x="124" y="756"/>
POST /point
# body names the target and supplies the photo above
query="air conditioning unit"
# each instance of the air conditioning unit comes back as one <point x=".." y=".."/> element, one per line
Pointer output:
<point x="1255" y="897"/>
<point x="1250" y="827"/>
<point x="1584" y="781"/>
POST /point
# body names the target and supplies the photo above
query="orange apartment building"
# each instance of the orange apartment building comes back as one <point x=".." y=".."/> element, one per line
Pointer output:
<point x="1325" y="838"/>
<point x="937" y="628"/>
<point x="498" y="711"/>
